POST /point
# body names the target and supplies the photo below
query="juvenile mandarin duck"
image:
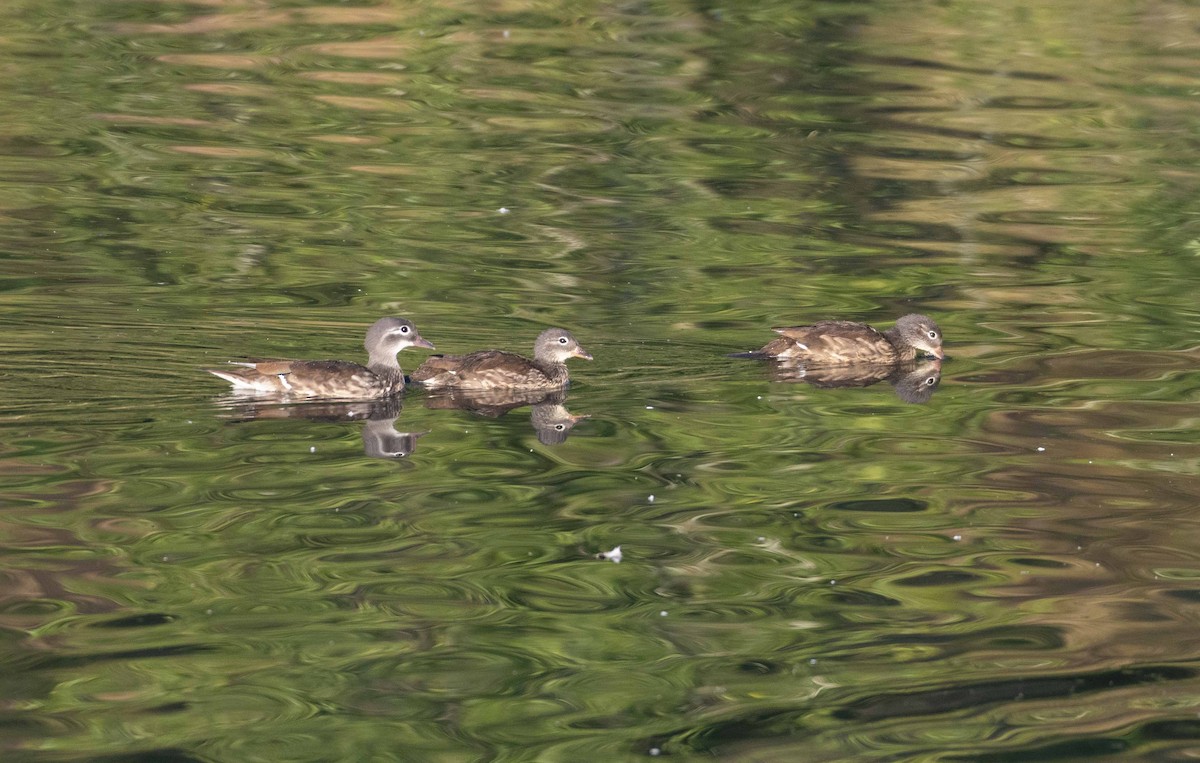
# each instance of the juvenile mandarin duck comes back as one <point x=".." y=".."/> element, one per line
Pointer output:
<point x="335" y="379"/>
<point x="839" y="343"/>
<point x="496" y="369"/>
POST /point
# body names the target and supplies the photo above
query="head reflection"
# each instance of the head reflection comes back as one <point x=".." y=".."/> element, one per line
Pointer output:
<point x="380" y="437"/>
<point x="914" y="382"/>
<point x="551" y="420"/>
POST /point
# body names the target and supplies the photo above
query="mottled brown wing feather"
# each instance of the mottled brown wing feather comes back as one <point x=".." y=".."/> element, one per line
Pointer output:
<point x="435" y="365"/>
<point x="271" y="367"/>
<point x="486" y="368"/>
<point x="487" y="360"/>
<point x="319" y="367"/>
<point x="832" y="343"/>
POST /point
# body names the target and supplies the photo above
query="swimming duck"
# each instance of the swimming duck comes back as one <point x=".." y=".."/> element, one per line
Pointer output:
<point x="836" y="343"/>
<point x="334" y="379"/>
<point x="496" y="369"/>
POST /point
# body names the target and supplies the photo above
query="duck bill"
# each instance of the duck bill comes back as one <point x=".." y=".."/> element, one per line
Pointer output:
<point x="423" y="342"/>
<point x="938" y="353"/>
<point x="581" y="353"/>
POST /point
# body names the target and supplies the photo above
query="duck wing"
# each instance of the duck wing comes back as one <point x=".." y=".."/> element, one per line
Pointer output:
<point x="295" y="377"/>
<point x="832" y="343"/>
<point x="486" y="369"/>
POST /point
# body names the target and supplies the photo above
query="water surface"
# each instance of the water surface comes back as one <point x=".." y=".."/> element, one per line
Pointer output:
<point x="1006" y="571"/>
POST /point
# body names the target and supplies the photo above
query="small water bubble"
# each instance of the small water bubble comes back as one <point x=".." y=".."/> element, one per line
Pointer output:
<point x="503" y="210"/>
<point x="506" y="34"/>
<point x="662" y="613"/>
<point x="649" y="407"/>
<point x="650" y="498"/>
<point x="1041" y="449"/>
<point x="208" y="611"/>
<point x="655" y="752"/>
<point x="313" y="449"/>
<point x="956" y="537"/>
<point x="812" y="661"/>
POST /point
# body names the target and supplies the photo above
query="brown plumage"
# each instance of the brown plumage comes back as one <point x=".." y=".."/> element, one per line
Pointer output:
<point x="496" y="369"/>
<point x="332" y="379"/>
<point x="837" y="343"/>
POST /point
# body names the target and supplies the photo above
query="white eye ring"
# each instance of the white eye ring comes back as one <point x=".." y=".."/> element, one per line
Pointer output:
<point x="562" y="340"/>
<point x="933" y="335"/>
<point x="404" y="329"/>
<point x="560" y="427"/>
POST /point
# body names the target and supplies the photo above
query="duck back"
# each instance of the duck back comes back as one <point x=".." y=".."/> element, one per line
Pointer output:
<point x="831" y="343"/>
<point x="488" y="369"/>
<point x="307" y="378"/>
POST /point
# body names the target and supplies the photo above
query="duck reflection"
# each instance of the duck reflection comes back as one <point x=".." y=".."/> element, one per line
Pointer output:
<point x="380" y="437"/>
<point x="914" y="382"/>
<point x="549" y="415"/>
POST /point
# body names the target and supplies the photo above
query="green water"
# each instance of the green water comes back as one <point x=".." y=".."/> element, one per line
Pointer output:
<point x="1004" y="572"/>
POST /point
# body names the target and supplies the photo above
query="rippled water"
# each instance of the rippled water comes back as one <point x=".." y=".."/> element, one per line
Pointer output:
<point x="810" y="568"/>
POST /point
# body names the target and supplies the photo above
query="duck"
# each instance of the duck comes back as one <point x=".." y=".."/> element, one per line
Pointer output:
<point x="333" y="379"/>
<point x="839" y="343"/>
<point x="497" y="369"/>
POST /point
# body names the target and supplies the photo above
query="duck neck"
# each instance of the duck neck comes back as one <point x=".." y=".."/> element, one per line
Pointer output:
<point x="385" y="365"/>
<point x="555" y="370"/>
<point x="904" y="351"/>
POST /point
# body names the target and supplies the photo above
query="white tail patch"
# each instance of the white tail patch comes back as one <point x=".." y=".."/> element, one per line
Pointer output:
<point x="261" y="384"/>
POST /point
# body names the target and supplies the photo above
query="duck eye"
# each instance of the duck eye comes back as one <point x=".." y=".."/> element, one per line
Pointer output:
<point x="404" y="329"/>
<point x="933" y="335"/>
<point x="932" y="380"/>
<point x="560" y="427"/>
<point x="562" y="340"/>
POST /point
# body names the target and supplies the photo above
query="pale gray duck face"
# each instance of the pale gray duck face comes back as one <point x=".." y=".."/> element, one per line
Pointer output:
<point x="391" y="335"/>
<point x="556" y="345"/>
<point x="922" y="332"/>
